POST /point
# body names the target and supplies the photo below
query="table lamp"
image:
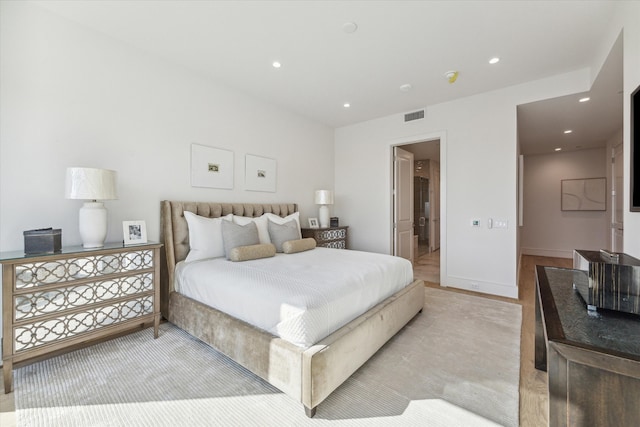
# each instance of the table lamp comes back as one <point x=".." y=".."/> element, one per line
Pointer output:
<point x="324" y="198"/>
<point x="92" y="185"/>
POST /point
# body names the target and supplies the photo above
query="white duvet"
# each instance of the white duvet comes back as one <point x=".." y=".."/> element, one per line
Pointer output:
<point x="301" y="297"/>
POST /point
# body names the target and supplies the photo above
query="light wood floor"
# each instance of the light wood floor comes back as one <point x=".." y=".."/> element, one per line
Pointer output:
<point x="534" y="410"/>
<point x="533" y="383"/>
<point x="427" y="267"/>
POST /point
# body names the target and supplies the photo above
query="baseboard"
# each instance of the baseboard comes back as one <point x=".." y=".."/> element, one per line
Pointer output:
<point x="498" y="289"/>
<point x="554" y="253"/>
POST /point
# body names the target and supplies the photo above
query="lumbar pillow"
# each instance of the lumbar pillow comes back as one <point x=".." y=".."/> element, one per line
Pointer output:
<point x="281" y="233"/>
<point x="300" y="245"/>
<point x="279" y="220"/>
<point x="246" y="253"/>
<point x="261" y="223"/>
<point x="234" y="235"/>
<point x="205" y="236"/>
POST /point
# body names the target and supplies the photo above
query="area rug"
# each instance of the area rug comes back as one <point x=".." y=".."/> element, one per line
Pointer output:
<point x="456" y="364"/>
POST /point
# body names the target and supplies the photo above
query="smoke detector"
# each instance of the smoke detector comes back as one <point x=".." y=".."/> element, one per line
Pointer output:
<point x="349" y="27"/>
<point x="451" y="76"/>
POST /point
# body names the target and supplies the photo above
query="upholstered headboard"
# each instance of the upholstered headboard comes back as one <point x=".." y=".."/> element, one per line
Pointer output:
<point x="176" y="233"/>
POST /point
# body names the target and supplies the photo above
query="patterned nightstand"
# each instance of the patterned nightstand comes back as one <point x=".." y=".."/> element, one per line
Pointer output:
<point x="332" y="237"/>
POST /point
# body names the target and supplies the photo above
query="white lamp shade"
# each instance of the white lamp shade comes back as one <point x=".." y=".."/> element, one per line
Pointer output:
<point x="324" y="197"/>
<point x="91" y="184"/>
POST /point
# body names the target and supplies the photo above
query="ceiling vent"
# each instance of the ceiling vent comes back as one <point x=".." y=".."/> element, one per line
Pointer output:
<point x="416" y="115"/>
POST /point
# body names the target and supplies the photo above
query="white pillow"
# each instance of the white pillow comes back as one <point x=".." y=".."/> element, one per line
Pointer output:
<point x="279" y="220"/>
<point x="205" y="236"/>
<point x="261" y="224"/>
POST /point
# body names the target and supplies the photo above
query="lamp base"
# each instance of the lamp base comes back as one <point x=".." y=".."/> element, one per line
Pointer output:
<point x="323" y="216"/>
<point x="93" y="224"/>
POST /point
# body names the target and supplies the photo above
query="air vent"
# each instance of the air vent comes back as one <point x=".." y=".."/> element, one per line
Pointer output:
<point x="414" y="116"/>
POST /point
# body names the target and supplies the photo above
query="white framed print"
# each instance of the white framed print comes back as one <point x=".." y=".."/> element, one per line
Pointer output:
<point x="260" y="173"/>
<point x="135" y="232"/>
<point x="313" y="223"/>
<point x="211" y="167"/>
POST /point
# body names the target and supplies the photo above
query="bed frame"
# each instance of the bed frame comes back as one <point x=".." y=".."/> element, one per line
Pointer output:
<point x="309" y="374"/>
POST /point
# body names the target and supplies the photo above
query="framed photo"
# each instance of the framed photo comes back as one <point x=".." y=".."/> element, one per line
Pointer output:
<point x="313" y="223"/>
<point x="135" y="232"/>
<point x="211" y="167"/>
<point x="260" y="173"/>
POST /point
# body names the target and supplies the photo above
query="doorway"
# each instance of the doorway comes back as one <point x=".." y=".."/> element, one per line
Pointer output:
<point x="426" y="209"/>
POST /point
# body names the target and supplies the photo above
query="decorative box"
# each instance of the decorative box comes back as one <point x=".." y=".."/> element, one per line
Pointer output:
<point x="42" y="241"/>
<point x="334" y="222"/>
<point x="607" y="280"/>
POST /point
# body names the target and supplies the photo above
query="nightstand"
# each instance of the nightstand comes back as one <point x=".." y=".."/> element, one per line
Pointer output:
<point x="331" y="237"/>
<point x="62" y="301"/>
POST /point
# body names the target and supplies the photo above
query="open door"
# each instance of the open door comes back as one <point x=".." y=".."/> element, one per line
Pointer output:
<point x="403" y="203"/>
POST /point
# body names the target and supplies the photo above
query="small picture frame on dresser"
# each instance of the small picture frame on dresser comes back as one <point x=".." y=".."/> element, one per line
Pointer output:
<point x="135" y="232"/>
<point x="313" y="223"/>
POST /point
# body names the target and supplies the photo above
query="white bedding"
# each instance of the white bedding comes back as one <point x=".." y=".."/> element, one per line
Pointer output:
<point x="301" y="297"/>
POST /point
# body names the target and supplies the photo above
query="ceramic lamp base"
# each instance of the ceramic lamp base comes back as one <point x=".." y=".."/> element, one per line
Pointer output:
<point x="93" y="224"/>
<point x="323" y="216"/>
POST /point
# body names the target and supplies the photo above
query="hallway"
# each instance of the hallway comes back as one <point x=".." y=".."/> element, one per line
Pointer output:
<point x="427" y="267"/>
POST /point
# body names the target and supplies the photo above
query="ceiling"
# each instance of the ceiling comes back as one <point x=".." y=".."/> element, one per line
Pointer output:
<point x="541" y="125"/>
<point x="324" y="66"/>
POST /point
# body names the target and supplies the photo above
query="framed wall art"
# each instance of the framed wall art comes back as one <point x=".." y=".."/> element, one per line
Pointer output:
<point x="260" y="173"/>
<point x="588" y="194"/>
<point x="211" y="167"/>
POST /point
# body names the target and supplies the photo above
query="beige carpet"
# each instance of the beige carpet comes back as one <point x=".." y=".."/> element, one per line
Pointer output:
<point x="455" y="364"/>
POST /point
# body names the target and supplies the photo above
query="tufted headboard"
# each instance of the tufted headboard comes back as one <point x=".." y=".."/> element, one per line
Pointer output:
<point x="176" y="233"/>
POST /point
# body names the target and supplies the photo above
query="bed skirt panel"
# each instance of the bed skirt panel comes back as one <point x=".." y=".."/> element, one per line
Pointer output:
<point x="329" y="363"/>
<point x="271" y="358"/>
<point x="307" y="375"/>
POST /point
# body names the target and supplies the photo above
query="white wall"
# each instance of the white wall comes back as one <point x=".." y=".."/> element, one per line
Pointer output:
<point x="627" y="18"/>
<point x="72" y="97"/>
<point x="478" y="174"/>
<point x="478" y="168"/>
<point x="549" y="231"/>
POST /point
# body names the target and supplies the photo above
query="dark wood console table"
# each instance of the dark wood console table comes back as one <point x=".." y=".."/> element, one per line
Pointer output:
<point x="592" y="360"/>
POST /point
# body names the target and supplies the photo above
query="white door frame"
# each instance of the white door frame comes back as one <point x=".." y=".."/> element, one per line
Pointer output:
<point x="616" y="197"/>
<point x="442" y="136"/>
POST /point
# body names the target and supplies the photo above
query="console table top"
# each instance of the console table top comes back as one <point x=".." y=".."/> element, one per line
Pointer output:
<point x="567" y="318"/>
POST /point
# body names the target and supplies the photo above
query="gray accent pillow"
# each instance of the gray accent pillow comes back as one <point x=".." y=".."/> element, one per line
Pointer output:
<point x="234" y="235"/>
<point x="280" y="233"/>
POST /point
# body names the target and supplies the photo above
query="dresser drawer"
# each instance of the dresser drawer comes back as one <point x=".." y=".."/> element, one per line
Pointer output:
<point x="66" y="300"/>
<point x="332" y="237"/>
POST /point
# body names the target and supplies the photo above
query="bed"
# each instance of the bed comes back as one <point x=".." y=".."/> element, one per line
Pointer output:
<point x="307" y="372"/>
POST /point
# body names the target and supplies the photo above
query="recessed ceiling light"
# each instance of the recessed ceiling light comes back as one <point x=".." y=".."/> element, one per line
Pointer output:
<point x="346" y="105"/>
<point x="276" y="64"/>
<point x="349" y="27"/>
<point x="558" y="149"/>
<point x="405" y="87"/>
<point x="494" y="60"/>
<point x="568" y="131"/>
<point x="585" y="99"/>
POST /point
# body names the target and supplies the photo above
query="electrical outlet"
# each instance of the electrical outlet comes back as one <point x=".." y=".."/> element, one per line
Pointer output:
<point x="475" y="285"/>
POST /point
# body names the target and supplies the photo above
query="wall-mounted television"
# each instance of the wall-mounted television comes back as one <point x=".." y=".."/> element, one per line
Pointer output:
<point x="635" y="151"/>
